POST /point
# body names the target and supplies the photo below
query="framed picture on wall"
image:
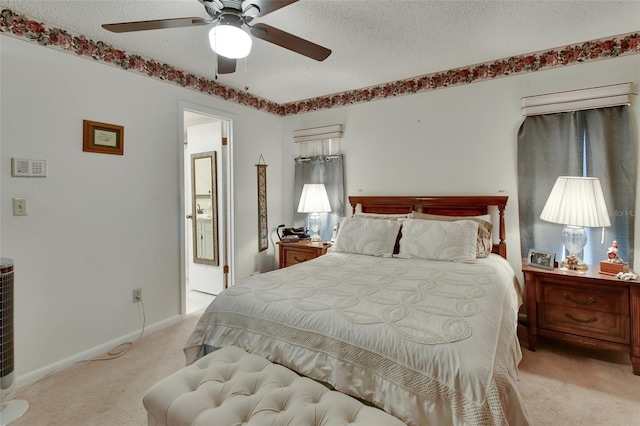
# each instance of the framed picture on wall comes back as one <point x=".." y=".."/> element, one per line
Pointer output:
<point x="102" y="138"/>
<point x="541" y="259"/>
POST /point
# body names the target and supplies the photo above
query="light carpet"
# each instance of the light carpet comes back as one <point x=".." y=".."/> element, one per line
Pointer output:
<point x="560" y="385"/>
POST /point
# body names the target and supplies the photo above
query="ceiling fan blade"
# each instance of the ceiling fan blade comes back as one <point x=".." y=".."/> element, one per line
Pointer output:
<point x="226" y="65"/>
<point x="158" y="24"/>
<point x="289" y="41"/>
<point x="266" y="6"/>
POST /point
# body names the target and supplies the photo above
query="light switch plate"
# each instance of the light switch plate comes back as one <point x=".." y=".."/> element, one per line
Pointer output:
<point x="19" y="206"/>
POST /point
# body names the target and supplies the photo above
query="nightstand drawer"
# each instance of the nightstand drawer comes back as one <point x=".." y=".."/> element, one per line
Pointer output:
<point x="613" y="300"/>
<point x="585" y="322"/>
<point x="301" y="251"/>
<point x="293" y="256"/>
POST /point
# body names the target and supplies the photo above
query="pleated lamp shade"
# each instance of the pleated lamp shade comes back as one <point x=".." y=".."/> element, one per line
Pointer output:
<point x="314" y="199"/>
<point x="576" y="201"/>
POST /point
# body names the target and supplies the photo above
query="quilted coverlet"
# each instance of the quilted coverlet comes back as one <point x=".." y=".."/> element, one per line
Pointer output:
<point x="429" y="342"/>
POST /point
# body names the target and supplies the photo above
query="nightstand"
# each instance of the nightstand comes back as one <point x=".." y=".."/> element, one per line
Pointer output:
<point x="589" y="309"/>
<point x="300" y="251"/>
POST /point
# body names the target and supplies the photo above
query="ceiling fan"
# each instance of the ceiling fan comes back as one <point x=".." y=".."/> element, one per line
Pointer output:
<point x="229" y="16"/>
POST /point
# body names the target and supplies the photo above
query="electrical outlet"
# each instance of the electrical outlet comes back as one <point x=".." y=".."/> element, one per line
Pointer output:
<point x="137" y="295"/>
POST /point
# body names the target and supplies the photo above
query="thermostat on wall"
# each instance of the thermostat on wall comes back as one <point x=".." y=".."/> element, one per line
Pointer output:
<point x="21" y="167"/>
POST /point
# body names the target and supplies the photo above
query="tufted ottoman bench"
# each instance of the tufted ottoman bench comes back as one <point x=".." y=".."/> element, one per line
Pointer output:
<point x="232" y="387"/>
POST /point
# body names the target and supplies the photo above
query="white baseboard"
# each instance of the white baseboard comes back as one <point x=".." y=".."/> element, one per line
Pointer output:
<point x="32" y="377"/>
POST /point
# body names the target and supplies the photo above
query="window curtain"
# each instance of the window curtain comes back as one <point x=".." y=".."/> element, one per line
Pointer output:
<point x="597" y="143"/>
<point x="611" y="157"/>
<point x="326" y="169"/>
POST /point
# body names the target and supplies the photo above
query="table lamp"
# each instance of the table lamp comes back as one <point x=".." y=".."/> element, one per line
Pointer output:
<point x="314" y="200"/>
<point x="576" y="202"/>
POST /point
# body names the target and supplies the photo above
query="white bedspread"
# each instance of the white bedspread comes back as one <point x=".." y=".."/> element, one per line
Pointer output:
<point x="430" y="342"/>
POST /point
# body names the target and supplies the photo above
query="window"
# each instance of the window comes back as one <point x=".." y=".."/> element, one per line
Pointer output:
<point x="326" y="169"/>
<point x="596" y="142"/>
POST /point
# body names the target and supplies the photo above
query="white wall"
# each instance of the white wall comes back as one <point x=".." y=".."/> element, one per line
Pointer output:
<point x="100" y="225"/>
<point x="456" y="141"/>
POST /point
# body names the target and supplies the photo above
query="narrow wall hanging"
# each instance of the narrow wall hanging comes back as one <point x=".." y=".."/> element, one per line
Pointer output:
<point x="263" y="229"/>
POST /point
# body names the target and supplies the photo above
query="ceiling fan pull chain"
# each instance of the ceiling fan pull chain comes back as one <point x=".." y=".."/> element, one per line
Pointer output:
<point x="246" y="75"/>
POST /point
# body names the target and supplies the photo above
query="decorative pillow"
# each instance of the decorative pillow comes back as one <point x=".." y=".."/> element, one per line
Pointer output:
<point x="439" y="240"/>
<point x="366" y="236"/>
<point x="386" y="216"/>
<point x="484" y="244"/>
<point x="382" y="216"/>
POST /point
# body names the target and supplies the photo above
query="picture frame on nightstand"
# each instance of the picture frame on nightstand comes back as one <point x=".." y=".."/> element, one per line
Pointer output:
<point x="541" y="259"/>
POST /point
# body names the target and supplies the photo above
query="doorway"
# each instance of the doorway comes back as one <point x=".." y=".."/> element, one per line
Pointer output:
<point x="205" y="133"/>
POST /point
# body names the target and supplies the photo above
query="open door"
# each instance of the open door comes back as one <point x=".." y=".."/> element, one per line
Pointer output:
<point x="205" y="206"/>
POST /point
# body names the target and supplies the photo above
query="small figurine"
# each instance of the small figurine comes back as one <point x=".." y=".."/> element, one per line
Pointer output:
<point x="627" y="276"/>
<point x="572" y="263"/>
<point x="612" y="253"/>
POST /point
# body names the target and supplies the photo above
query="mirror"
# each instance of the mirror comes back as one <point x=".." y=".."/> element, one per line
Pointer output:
<point x="204" y="190"/>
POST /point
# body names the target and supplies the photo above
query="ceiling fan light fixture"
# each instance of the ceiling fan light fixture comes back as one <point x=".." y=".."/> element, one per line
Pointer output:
<point x="230" y="41"/>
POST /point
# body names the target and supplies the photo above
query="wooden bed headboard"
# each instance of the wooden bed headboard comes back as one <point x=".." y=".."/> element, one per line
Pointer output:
<point x="471" y="205"/>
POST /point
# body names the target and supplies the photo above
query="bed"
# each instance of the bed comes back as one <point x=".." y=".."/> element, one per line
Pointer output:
<point x="401" y="312"/>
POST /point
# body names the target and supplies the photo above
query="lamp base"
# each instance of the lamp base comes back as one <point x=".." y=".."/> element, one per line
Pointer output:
<point x="316" y="238"/>
<point x="314" y="226"/>
<point x="574" y="263"/>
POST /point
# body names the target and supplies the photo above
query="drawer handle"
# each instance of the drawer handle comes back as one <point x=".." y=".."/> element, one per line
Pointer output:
<point x="590" y="320"/>
<point x="577" y="302"/>
<point x="304" y="259"/>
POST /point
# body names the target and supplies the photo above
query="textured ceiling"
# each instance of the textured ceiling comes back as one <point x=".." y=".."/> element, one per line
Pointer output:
<point x="373" y="41"/>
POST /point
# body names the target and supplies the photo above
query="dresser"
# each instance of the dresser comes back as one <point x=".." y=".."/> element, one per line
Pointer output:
<point x="589" y="309"/>
<point x="300" y="251"/>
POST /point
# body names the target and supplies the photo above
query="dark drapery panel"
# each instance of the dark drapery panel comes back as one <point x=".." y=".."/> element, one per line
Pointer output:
<point x="596" y="143"/>
<point x="611" y="157"/>
<point x="325" y="169"/>
<point x="548" y="146"/>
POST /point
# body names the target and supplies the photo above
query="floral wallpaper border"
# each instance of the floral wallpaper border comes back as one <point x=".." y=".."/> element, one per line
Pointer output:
<point x="20" y="26"/>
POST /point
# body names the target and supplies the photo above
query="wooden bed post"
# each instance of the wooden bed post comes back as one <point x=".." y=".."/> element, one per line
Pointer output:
<point x="503" y="232"/>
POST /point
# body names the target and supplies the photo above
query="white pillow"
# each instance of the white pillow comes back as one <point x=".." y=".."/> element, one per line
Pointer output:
<point x="484" y="243"/>
<point x="439" y="240"/>
<point x="385" y="216"/>
<point x="366" y="236"/>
